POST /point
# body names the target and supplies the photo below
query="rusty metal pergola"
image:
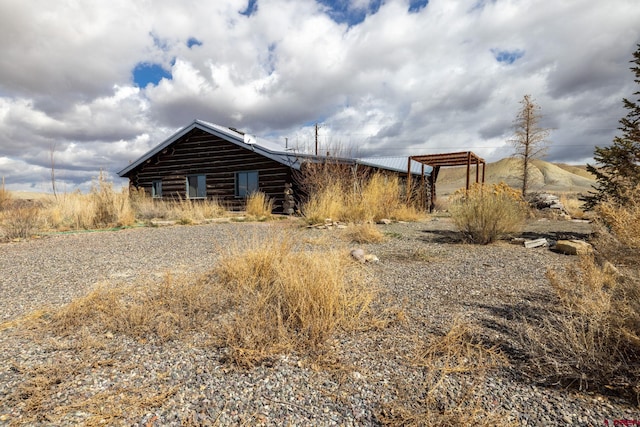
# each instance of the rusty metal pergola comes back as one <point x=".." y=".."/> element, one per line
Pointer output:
<point x="436" y="161"/>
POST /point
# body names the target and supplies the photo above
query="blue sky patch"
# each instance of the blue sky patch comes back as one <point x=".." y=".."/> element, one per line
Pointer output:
<point x="416" y="5"/>
<point x="339" y="11"/>
<point x="252" y="7"/>
<point x="145" y="73"/>
<point x="193" y="42"/>
<point x="507" y="56"/>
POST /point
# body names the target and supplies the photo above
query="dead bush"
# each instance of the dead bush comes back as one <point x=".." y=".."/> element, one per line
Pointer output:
<point x="455" y="367"/>
<point x="21" y="220"/>
<point x="364" y="233"/>
<point x="263" y="297"/>
<point x="5" y="196"/>
<point x="486" y="213"/>
<point x="593" y="341"/>
<point x="259" y="205"/>
<point x="288" y="298"/>
<point x="336" y="191"/>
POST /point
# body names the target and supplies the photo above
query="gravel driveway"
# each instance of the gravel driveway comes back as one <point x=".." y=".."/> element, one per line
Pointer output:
<point x="423" y="270"/>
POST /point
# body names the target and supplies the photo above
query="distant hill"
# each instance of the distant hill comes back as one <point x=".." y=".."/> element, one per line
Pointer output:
<point x="544" y="176"/>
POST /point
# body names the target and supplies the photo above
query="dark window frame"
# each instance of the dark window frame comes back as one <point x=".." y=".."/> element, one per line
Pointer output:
<point x="156" y="189"/>
<point x="200" y="187"/>
<point x="246" y="182"/>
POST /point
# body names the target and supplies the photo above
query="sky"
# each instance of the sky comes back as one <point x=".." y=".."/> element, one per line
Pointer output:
<point x="90" y="86"/>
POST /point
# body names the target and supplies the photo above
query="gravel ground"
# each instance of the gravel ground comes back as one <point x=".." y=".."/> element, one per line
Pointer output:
<point x="424" y="272"/>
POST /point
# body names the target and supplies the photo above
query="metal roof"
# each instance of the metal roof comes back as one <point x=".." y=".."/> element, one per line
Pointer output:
<point x="265" y="148"/>
<point x="395" y="163"/>
<point x="273" y="151"/>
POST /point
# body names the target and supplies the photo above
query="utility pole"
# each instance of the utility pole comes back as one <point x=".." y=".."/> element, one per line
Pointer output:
<point x="317" y="138"/>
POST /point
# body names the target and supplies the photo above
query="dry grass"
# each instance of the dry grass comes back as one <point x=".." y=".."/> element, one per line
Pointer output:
<point x="102" y="207"/>
<point x="593" y="341"/>
<point x="364" y="233"/>
<point x="288" y="298"/>
<point x="623" y="221"/>
<point x="5" y="196"/>
<point x="186" y="211"/>
<point x="36" y="396"/>
<point x="573" y="205"/>
<point x="353" y="198"/>
<point x="259" y="205"/>
<point x="325" y="203"/>
<point x="455" y="367"/>
<point x="487" y="213"/>
<point x="277" y="299"/>
<point x="20" y="221"/>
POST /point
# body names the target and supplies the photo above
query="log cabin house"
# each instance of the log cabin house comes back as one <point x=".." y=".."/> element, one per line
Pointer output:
<point x="204" y="161"/>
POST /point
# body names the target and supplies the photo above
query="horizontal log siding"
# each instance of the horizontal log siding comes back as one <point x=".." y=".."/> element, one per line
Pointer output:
<point x="199" y="152"/>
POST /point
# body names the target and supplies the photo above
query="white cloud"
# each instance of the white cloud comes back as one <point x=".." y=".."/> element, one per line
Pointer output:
<point x="395" y="83"/>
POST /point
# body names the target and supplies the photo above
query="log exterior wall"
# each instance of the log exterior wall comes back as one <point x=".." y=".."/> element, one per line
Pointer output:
<point x="198" y="153"/>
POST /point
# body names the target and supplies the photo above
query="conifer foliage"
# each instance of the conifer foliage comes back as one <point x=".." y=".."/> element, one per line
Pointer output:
<point x="618" y="166"/>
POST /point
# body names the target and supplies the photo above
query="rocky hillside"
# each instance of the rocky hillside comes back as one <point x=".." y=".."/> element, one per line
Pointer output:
<point x="544" y="176"/>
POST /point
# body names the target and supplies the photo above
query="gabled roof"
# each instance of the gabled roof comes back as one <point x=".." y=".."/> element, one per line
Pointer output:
<point x="272" y="151"/>
<point x="264" y="148"/>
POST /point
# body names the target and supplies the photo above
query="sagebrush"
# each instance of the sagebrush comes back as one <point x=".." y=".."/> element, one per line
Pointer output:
<point x="593" y="341"/>
<point x="486" y="213"/>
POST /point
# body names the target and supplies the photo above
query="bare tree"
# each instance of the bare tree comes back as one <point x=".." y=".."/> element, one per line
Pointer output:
<point x="52" y="154"/>
<point x="529" y="139"/>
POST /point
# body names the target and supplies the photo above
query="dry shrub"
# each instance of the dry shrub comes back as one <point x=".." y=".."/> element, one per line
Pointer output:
<point x="593" y="341"/>
<point x="5" y="196"/>
<point x="186" y="211"/>
<point x="327" y="202"/>
<point x="485" y="213"/>
<point x="573" y="205"/>
<point x="102" y="207"/>
<point x="20" y="221"/>
<point x="364" y="233"/>
<point x="407" y="212"/>
<point x="37" y="397"/>
<point x="286" y="298"/>
<point x="263" y="297"/>
<point x="623" y="221"/>
<point x="455" y="368"/>
<point x="111" y="208"/>
<point x="336" y="192"/>
<point x="174" y="308"/>
<point x="259" y="205"/>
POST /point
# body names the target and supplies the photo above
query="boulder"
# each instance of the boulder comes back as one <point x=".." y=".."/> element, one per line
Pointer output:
<point x="371" y="258"/>
<point x="573" y="247"/>
<point x="358" y="254"/>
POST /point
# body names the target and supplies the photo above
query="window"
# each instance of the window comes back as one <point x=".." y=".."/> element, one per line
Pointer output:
<point x="246" y="183"/>
<point x="196" y="186"/>
<point x="156" y="189"/>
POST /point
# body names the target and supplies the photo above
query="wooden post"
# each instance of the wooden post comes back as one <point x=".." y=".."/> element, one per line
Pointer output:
<point x="408" y="178"/>
<point x="468" y="167"/>
<point x="432" y="181"/>
<point x="423" y="192"/>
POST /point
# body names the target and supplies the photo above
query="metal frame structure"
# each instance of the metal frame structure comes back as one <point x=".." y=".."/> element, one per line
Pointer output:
<point x="436" y="161"/>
